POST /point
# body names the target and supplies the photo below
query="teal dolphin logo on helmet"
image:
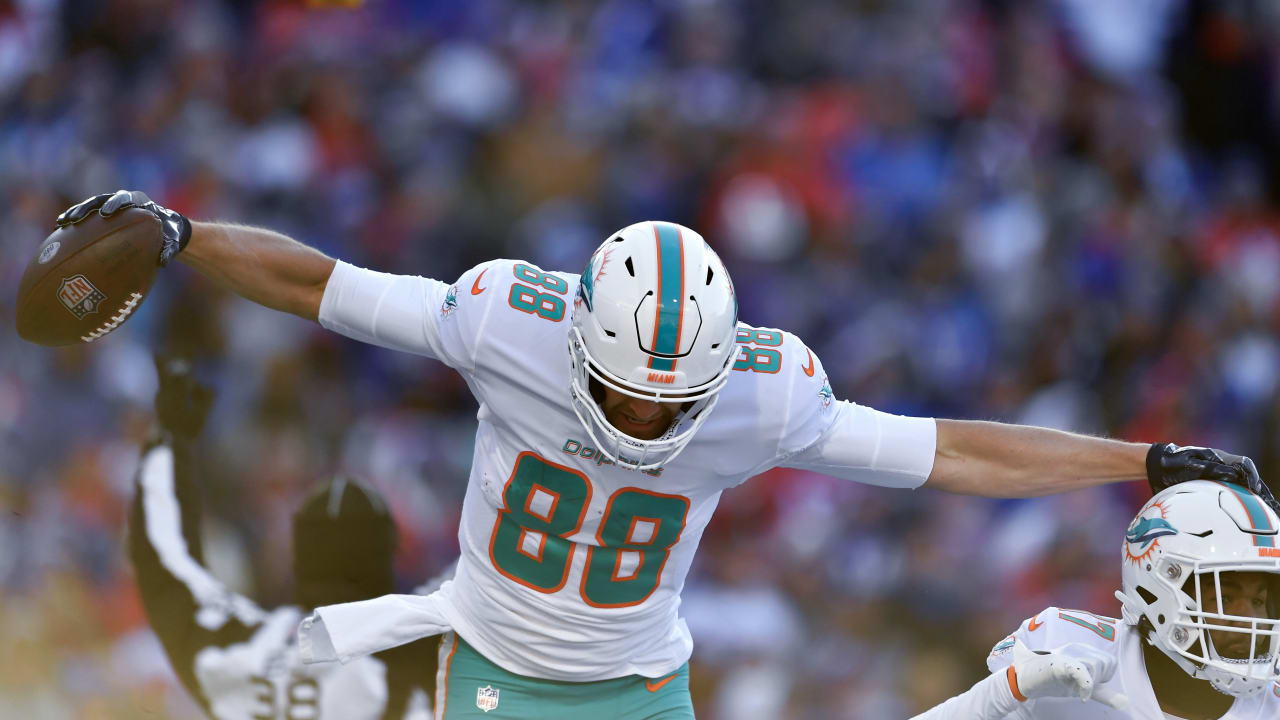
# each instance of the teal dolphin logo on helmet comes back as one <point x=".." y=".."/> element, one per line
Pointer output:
<point x="587" y="285"/>
<point x="1146" y="529"/>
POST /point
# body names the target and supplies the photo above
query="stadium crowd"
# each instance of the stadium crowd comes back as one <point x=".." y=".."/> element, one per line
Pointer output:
<point x="1060" y="213"/>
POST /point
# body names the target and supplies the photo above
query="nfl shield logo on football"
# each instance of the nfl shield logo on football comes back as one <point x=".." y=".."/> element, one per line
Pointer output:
<point x="487" y="698"/>
<point x="79" y="295"/>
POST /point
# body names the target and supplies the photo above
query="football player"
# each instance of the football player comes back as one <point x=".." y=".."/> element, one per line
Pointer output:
<point x="241" y="662"/>
<point x="616" y="405"/>
<point x="1198" y="637"/>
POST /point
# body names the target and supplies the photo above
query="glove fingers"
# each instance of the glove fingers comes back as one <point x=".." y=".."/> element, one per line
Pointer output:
<point x="1253" y="480"/>
<point x="1205" y="454"/>
<point x="1224" y="473"/>
<point x="1264" y="492"/>
<point x="1231" y="459"/>
<point x="77" y="212"/>
<point x="1210" y="469"/>
<point x="123" y="199"/>
<point x="118" y="199"/>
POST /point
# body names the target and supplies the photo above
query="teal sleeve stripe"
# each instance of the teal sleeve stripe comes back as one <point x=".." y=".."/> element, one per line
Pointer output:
<point x="670" y="290"/>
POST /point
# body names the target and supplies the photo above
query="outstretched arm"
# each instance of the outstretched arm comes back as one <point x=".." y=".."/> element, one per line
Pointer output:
<point x="262" y="265"/>
<point x="999" y="460"/>
<point x="395" y="311"/>
<point x="978" y="458"/>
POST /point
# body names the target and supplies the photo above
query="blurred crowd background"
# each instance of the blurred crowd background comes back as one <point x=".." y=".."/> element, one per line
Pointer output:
<point x="1056" y="212"/>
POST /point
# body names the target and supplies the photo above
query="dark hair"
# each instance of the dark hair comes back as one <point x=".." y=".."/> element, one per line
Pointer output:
<point x="344" y="542"/>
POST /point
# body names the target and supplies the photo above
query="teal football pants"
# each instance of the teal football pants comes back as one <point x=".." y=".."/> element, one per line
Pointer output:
<point x="469" y="686"/>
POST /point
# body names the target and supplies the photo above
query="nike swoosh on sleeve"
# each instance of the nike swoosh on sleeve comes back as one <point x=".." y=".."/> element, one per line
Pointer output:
<point x="475" y="286"/>
<point x="1034" y="625"/>
<point x="655" y="686"/>
<point x="808" y="369"/>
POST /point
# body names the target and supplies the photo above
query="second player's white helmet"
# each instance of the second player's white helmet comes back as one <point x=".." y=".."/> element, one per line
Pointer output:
<point x="1198" y="531"/>
<point x="655" y="318"/>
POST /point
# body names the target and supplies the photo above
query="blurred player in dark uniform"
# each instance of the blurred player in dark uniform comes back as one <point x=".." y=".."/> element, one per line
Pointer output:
<point x="239" y="661"/>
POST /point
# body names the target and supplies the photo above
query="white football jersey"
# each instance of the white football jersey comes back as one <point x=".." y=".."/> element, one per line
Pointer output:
<point x="238" y="661"/>
<point x="571" y="567"/>
<point x="1055" y="627"/>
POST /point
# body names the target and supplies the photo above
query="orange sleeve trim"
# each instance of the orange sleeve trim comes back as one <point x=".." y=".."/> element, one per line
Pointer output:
<point x="1013" y="685"/>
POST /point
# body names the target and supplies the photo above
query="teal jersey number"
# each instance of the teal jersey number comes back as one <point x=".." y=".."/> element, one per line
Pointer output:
<point x="528" y="299"/>
<point x="768" y="338"/>
<point x="759" y="359"/>
<point x="534" y="276"/>
<point x="528" y="543"/>
<point x="545" y="503"/>
<point x="638" y="526"/>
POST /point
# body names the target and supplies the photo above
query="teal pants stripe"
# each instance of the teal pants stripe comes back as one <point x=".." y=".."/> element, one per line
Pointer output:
<point x="469" y="686"/>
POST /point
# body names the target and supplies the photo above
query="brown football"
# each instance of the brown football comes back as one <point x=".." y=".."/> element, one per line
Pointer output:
<point x="87" y="279"/>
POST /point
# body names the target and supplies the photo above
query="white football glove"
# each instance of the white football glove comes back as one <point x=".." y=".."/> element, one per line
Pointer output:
<point x="1073" y="670"/>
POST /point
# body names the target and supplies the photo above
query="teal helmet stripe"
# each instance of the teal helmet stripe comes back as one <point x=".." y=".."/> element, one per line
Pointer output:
<point x="1257" y="514"/>
<point x="662" y="364"/>
<point x="666" y="330"/>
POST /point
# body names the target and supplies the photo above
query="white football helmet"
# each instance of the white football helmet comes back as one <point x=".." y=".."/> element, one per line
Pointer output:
<point x="655" y="318"/>
<point x="1201" y="530"/>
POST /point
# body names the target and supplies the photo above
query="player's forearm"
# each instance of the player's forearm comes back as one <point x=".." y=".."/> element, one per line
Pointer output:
<point x="989" y="699"/>
<point x="999" y="460"/>
<point x="260" y="265"/>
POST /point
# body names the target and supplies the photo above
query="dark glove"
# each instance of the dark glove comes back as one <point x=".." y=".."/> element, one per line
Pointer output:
<point x="1169" y="464"/>
<point x="1255" y="483"/>
<point x="176" y="228"/>
<point x="182" y="403"/>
